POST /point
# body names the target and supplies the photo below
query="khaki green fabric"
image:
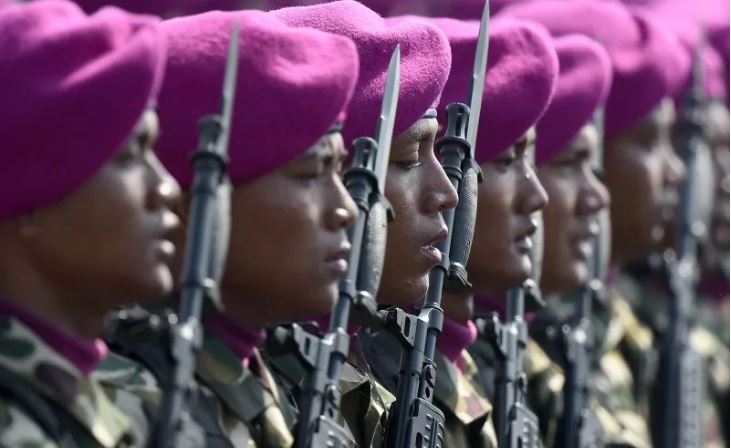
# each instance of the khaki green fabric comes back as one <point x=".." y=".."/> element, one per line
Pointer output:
<point x="236" y="405"/>
<point x="364" y="403"/>
<point x="467" y="410"/>
<point x="545" y="383"/>
<point x="647" y="297"/>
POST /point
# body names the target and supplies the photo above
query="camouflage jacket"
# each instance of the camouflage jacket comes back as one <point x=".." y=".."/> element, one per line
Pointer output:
<point x="236" y="405"/>
<point x="364" y="402"/>
<point x="467" y="410"/>
<point x="611" y="384"/>
<point x="78" y="407"/>
<point x="648" y="299"/>
<point x="457" y="393"/>
<point x="545" y="383"/>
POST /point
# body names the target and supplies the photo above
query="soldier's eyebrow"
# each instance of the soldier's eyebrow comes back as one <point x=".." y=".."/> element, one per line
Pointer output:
<point x="422" y="130"/>
<point x="324" y="151"/>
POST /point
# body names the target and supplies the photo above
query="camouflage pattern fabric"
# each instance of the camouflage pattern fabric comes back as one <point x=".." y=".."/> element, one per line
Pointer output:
<point x="236" y="405"/>
<point x="545" y="383"/>
<point x="364" y="403"/>
<point x="250" y="407"/>
<point x="458" y="392"/>
<point x="81" y="404"/>
<point x="647" y="298"/>
<point x="467" y="410"/>
<point x="611" y="384"/>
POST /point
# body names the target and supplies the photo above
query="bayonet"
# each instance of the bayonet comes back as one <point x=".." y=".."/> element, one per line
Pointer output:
<point x="203" y="260"/>
<point x="322" y="358"/>
<point x="414" y="420"/>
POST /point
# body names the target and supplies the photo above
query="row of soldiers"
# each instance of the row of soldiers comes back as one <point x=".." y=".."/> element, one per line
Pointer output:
<point x="362" y="224"/>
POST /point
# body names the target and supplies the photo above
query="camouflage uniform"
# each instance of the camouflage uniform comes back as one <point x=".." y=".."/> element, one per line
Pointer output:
<point x="467" y="410"/>
<point x="611" y="384"/>
<point x="649" y="298"/>
<point x="364" y="404"/>
<point x="236" y="405"/>
<point x="545" y="383"/>
<point x="78" y="407"/>
<point x="457" y="393"/>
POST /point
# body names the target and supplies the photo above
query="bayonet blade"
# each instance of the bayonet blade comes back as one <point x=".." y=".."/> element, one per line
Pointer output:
<point x="229" y="86"/>
<point x="477" y="83"/>
<point x="387" y="119"/>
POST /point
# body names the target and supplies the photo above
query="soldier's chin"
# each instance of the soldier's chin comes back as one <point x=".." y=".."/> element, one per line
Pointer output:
<point x="318" y="304"/>
<point x="156" y="286"/>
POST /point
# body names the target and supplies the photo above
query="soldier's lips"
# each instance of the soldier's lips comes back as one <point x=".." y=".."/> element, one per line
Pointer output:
<point x="582" y="248"/>
<point x="164" y="250"/>
<point x="429" y="249"/>
<point x="432" y="253"/>
<point x="337" y="261"/>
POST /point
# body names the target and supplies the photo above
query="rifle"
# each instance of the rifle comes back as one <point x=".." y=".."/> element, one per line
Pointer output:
<point x="579" y="427"/>
<point x="517" y="426"/>
<point x="414" y="421"/>
<point x="205" y="253"/>
<point x="682" y="379"/>
<point x="319" y="403"/>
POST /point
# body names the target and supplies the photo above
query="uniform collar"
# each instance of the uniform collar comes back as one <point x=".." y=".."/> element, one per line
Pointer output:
<point x="82" y="353"/>
<point x="23" y="352"/>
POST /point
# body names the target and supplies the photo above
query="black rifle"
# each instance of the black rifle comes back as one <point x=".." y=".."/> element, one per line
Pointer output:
<point x="681" y="377"/>
<point x="319" y="401"/>
<point x="414" y="421"/>
<point x="206" y="243"/>
<point x="517" y="426"/>
<point x="579" y="428"/>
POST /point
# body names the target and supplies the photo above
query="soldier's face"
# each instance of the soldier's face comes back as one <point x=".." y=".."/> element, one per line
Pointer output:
<point x="571" y="219"/>
<point x="107" y="243"/>
<point x="418" y="190"/>
<point x="508" y="195"/>
<point x="643" y="174"/>
<point x="288" y="246"/>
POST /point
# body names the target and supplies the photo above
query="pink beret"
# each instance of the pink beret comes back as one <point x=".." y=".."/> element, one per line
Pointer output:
<point x="585" y="76"/>
<point x="293" y="85"/>
<point x="164" y="8"/>
<point x="73" y="89"/>
<point x="692" y="21"/>
<point x="425" y="61"/>
<point x="648" y="62"/>
<point x="468" y="9"/>
<point x="522" y="69"/>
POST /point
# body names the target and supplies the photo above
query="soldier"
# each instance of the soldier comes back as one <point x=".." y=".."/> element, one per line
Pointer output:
<point x="86" y="220"/>
<point x="646" y="284"/>
<point x="416" y="186"/>
<point x="566" y="142"/>
<point x="287" y="200"/>
<point x="521" y="54"/>
<point x="641" y="173"/>
<point x="522" y="70"/>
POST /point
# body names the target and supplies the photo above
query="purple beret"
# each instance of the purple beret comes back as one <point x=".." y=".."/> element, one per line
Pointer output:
<point x="585" y="76"/>
<point x="293" y="85"/>
<point x="163" y="8"/>
<point x="693" y="21"/>
<point x="648" y="62"/>
<point x="60" y="71"/>
<point x="425" y="61"/>
<point x="522" y="70"/>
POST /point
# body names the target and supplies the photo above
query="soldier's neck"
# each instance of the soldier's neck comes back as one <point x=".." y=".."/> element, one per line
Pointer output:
<point x="75" y="314"/>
